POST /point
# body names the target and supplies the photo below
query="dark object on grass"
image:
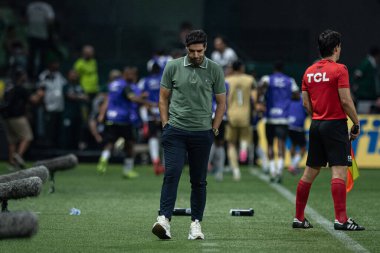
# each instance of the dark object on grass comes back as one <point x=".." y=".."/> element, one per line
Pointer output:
<point x="17" y="189"/>
<point x="59" y="163"/>
<point x="242" y="212"/>
<point x="39" y="171"/>
<point x="18" y="225"/>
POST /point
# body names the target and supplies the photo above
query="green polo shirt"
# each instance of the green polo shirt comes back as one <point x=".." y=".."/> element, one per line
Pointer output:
<point x="88" y="74"/>
<point x="192" y="89"/>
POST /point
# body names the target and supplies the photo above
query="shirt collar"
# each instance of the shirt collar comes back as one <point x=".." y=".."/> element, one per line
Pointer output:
<point x="187" y="63"/>
<point x="324" y="59"/>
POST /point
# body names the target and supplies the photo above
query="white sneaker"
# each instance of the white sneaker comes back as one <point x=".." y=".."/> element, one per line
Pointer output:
<point x="236" y="174"/>
<point x="162" y="228"/>
<point x="195" y="232"/>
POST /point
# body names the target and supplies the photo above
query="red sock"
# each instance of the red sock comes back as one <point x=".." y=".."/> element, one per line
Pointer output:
<point x="303" y="190"/>
<point x="338" y="191"/>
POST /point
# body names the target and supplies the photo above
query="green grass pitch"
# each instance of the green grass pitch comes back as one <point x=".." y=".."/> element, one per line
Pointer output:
<point x="117" y="215"/>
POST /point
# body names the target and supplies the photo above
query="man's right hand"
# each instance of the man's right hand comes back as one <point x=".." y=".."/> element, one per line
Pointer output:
<point x="260" y="107"/>
<point x="355" y="131"/>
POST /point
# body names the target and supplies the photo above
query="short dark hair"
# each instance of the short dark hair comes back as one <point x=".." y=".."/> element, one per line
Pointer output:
<point x="156" y="68"/>
<point x="221" y="37"/>
<point x="327" y="41"/>
<point x="236" y="65"/>
<point x="195" y="37"/>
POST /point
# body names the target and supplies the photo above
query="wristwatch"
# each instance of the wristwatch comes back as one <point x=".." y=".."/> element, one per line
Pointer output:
<point x="216" y="131"/>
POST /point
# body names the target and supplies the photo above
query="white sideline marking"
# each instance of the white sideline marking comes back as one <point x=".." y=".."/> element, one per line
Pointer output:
<point x="209" y="244"/>
<point x="210" y="247"/>
<point x="347" y="241"/>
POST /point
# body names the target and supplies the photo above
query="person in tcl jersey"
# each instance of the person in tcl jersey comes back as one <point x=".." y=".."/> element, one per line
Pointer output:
<point x="326" y="96"/>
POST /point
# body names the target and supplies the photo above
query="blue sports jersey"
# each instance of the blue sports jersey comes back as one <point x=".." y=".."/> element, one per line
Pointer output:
<point x="134" y="113"/>
<point x="118" y="104"/>
<point x="161" y="60"/>
<point x="297" y="115"/>
<point x="278" y="97"/>
<point x="152" y="88"/>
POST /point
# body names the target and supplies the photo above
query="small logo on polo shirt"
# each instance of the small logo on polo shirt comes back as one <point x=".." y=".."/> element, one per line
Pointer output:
<point x="193" y="78"/>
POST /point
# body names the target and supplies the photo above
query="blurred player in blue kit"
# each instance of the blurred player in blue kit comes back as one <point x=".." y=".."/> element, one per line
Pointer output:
<point x="278" y="89"/>
<point x="297" y="117"/>
<point x="119" y="113"/>
<point x="153" y="127"/>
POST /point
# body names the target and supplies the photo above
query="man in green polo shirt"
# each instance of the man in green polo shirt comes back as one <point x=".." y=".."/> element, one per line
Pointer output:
<point x="86" y="67"/>
<point x="187" y="87"/>
<point x="367" y="81"/>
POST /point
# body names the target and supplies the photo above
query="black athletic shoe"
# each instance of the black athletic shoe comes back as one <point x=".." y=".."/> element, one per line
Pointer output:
<point x="349" y="225"/>
<point x="301" y="224"/>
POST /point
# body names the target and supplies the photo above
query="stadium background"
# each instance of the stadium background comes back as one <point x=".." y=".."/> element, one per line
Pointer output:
<point x="117" y="215"/>
<point x="126" y="32"/>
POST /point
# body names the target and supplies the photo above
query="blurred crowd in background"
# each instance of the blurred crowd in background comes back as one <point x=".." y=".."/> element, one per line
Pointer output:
<point x="60" y="109"/>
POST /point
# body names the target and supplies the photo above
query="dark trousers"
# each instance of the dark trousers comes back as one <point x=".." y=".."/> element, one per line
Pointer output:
<point x="37" y="48"/>
<point x="53" y="127"/>
<point x="177" y="143"/>
<point x="72" y="132"/>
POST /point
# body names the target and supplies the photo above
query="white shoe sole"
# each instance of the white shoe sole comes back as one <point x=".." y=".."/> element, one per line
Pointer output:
<point x="199" y="237"/>
<point x="160" y="231"/>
